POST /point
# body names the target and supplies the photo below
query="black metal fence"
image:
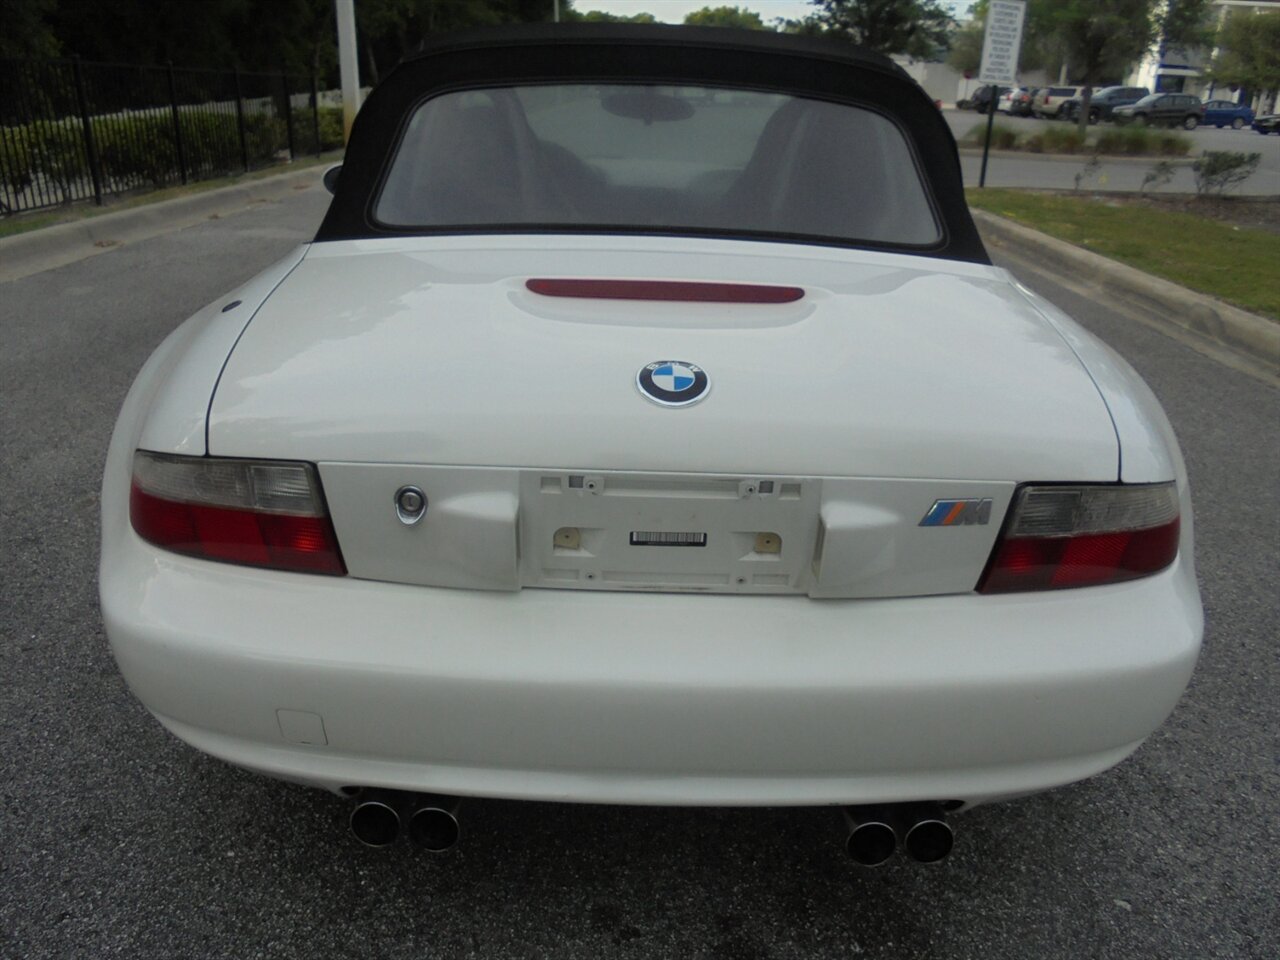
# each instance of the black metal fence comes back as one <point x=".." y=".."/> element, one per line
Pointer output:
<point x="73" y="130"/>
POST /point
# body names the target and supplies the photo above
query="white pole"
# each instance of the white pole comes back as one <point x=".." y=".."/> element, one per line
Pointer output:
<point x="348" y="63"/>
<point x="556" y="8"/>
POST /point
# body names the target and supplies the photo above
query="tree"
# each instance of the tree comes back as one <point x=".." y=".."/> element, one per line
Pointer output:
<point x="27" y="32"/>
<point x="1249" y="51"/>
<point x="965" y="54"/>
<point x="599" y="16"/>
<point x="725" y="17"/>
<point x="253" y="35"/>
<point x="1100" y="38"/>
<point x="917" y="28"/>
<point x="391" y="29"/>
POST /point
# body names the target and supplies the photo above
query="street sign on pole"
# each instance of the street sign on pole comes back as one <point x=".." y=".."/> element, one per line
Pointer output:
<point x="1000" y="48"/>
<point x="1003" y="41"/>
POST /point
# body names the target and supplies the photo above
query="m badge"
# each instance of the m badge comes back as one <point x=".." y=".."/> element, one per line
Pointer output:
<point x="954" y="513"/>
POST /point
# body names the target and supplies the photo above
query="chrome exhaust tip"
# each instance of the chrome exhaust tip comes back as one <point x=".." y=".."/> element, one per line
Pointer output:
<point x="434" y="824"/>
<point x="871" y="840"/>
<point x="929" y="840"/>
<point x="375" y="821"/>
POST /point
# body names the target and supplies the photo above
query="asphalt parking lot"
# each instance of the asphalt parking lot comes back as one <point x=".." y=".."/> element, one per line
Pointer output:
<point x="118" y="840"/>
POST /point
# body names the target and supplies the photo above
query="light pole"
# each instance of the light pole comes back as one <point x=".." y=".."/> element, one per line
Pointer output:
<point x="348" y="63"/>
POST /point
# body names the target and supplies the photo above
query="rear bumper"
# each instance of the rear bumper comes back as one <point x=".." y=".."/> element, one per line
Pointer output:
<point x="647" y="698"/>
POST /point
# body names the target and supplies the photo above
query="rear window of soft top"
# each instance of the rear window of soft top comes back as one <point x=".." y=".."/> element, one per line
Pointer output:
<point x="621" y="156"/>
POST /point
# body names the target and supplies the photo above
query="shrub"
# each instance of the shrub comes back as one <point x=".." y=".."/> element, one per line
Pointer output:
<point x="1055" y="140"/>
<point x="1089" y="169"/>
<point x="1218" y="169"/>
<point x="1172" y="145"/>
<point x="57" y="151"/>
<point x="1123" y="140"/>
<point x="1158" y="175"/>
<point x="264" y="135"/>
<point x="17" y="165"/>
<point x="329" y="120"/>
<point x="331" y="137"/>
<point x="212" y="142"/>
<point x="136" y="148"/>
<point x="1002" y="138"/>
<point x="1132" y="141"/>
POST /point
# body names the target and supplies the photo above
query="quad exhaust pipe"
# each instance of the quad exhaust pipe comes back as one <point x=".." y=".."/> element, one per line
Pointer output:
<point x="875" y="832"/>
<point x="379" y="816"/>
<point x="434" y="824"/>
<point x="375" y="819"/>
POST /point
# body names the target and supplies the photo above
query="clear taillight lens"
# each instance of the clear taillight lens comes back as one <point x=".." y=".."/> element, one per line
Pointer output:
<point x="263" y="513"/>
<point x="1080" y="536"/>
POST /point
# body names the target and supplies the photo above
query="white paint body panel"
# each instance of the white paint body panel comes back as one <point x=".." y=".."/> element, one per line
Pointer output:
<point x="1149" y="450"/>
<point x="430" y="351"/>
<point x="180" y="411"/>
<point x="428" y="359"/>
<point x="494" y="529"/>
<point x="649" y="698"/>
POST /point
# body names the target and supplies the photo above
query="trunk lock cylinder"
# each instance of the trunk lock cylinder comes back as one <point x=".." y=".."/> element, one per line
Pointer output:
<point x="411" y="505"/>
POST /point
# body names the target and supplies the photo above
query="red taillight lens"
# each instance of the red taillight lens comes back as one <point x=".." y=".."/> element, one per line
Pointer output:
<point x="1084" y="536"/>
<point x="256" y="512"/>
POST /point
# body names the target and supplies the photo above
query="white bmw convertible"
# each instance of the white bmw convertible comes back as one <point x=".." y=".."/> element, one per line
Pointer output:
<point x="647" y="424"/>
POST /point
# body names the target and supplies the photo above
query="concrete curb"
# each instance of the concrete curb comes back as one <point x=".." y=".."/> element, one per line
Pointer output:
<point x="56" y="246"/>
<point x="1159" y="300"/>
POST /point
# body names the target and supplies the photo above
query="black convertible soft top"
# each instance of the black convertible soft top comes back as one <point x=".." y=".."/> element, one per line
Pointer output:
<point x="650" y="54"/>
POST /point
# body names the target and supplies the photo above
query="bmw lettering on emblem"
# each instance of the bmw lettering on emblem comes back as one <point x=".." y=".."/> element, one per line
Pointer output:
<point x="673" y="383"/>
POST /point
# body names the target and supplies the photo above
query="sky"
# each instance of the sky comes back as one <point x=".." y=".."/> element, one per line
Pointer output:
<point x="673" y="11"/>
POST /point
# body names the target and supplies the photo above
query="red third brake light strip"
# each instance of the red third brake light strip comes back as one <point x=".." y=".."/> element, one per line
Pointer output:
<point x="672" y="290"/>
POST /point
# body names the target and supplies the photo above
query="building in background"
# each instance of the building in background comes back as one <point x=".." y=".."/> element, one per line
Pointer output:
<point x="1167" y="69"/>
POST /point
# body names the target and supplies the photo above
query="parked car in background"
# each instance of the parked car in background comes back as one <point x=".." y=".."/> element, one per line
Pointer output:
<point x="1011" y="100"/>
<point x="1017" y="102"/>
<point x="1223" y="113"/>
<point x="1270" y="123"/>
<point x="982" y="98"/>
<point x="1049" y="101"/>
<point x="1162" y="109"/>
<point x="1104" y="102"/>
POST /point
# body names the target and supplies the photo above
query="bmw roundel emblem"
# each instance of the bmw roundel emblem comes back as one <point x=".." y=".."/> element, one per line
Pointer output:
<point x="673" y="383"/>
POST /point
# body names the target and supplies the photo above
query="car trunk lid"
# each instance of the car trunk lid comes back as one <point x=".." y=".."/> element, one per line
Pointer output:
<point x="892" y="384"/>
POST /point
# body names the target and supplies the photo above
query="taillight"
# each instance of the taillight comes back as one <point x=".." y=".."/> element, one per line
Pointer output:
<point x="264" y="513"/>
<point x="1081" y="536"/>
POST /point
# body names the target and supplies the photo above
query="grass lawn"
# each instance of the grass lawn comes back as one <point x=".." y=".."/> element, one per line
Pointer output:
<point x="1237" y="264"/>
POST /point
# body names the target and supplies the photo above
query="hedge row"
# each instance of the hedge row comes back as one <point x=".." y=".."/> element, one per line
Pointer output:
<point x="138" y="149"/>
<point x="1121" y="141"/>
